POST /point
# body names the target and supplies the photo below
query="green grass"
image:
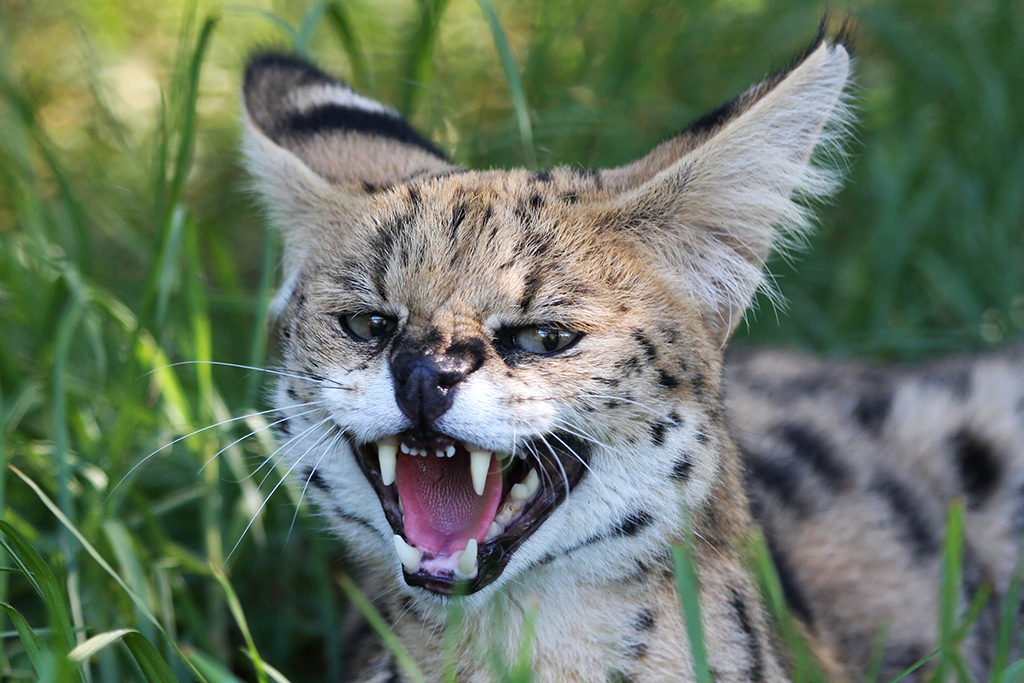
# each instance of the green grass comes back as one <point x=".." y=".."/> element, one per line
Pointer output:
<point x="128" y="243"/>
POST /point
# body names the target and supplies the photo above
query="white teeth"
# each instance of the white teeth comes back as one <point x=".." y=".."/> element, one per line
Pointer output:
<point x="388" y="455"/>
<point x="408" y="555"/>
<point x="507" y="512"/>
<point x="406" y="449"/>
<point x="467" y="560"/>
<point x="528" y="487"/>
<point x="450" y="451"/>
<point x="439" y="454"/>
<point x="479" y="464"/>
<point x="493" y="531"/>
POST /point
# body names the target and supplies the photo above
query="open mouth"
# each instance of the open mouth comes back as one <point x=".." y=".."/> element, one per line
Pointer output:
<point x="459" y="511"/>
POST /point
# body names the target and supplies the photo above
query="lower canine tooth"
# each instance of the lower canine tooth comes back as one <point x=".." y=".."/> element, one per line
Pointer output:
<point x="409" y="556"/>
<point x="467" y="560"/>
<point x="528" y="487"/>
<point x="388" y="455"/>
<point x="479" y="464"/>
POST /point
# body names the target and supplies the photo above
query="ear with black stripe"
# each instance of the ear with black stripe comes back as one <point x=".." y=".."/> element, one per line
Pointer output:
<point x="300" y="120"/>
<point x="711" y="203"/>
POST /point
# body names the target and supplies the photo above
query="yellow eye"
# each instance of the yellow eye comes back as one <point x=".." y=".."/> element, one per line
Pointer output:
<point x="543" y="340"/>
<point x="367" y="326"/>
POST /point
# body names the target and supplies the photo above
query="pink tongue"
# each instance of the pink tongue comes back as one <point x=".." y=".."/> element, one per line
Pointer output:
<point x="442" y="511"/>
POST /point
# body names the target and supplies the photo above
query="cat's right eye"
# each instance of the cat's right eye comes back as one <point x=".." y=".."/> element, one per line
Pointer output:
<point x="367" y="326"/>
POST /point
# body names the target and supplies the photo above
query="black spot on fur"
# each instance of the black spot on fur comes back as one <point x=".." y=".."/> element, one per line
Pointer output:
<point x="530" y="288"/>
<point x="698" y="383"/>
<point x="648" y="346"/>
<point x="292" y="394"/>
<point x="701" y="436"/>
<point x="633" y="524"/>
<point x="666" y="380"/>
<point x="739" y="607"/>
<point x="542" y="177"/>
<point x="780" y="479"/>
<point x="871" y="411"/>
<point x="374" y="188"/>
<point x="284" y="427"/>
<point x="682" y="468"/>
<point x="458" y="215"/>
<point x="917" y="531"/>
<point x="658" y="430"/>
<point x="536" y="201"/>
<point x="636" y="649"/>
<point x="645" y="620"/>
<point x="317" y="482"/>
<point x="980" y="470"/>
<point x="791" y="591"/>
<point x="812" y="449"/>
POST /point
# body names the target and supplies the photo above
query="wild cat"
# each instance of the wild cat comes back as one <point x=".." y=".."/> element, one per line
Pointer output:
<point x="511" y="383"/>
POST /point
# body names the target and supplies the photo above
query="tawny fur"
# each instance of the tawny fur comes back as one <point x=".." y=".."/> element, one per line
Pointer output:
<point x="654" y="263"/>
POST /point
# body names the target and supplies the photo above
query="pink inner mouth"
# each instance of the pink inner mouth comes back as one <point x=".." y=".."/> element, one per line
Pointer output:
<point x="442" y="511"/>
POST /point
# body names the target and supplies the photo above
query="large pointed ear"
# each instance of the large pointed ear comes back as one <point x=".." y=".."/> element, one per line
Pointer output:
<point x="315" y="149"/>
<point x="712" y="202"/>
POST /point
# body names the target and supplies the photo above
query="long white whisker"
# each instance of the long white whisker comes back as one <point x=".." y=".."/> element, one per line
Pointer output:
<point x="266" y="500"/>
<point x="256" y="431"/>
<point x="284" y="449"/>
<point x="653" y="411"/>
<point x="198" y="431"/>
<point x="307" y="378"/>
<point x="312" y="471"/>
<point x="558" y="461"/>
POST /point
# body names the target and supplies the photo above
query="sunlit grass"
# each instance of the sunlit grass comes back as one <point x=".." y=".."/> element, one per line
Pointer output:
<point x="129" y="243"/>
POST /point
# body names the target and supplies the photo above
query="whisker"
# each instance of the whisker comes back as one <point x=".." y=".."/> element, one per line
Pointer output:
<point x="284" y="450"/>
<point x="266" y="500"/>
<point x="312" y="471"/>
<point x="653" y="411"/>
<point x="307" y="378"/>
<point x="256" y="431"/>
<point x="199" y="431"/>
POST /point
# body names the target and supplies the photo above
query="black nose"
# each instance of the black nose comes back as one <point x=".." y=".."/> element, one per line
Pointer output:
<point x="425" y="383"/>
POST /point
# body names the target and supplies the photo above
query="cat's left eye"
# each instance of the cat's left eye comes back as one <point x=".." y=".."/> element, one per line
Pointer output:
<point x="543" y="340"/>
<point x="367" y="326"/>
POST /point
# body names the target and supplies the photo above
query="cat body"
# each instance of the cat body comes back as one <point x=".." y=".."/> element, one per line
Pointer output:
<point x="503" y="389"/>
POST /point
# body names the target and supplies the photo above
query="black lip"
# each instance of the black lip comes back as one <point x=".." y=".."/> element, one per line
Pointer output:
<point x="561" y="461"/>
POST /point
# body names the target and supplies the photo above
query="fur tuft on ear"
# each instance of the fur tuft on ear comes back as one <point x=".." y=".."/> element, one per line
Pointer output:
<point x="712" y="202"/>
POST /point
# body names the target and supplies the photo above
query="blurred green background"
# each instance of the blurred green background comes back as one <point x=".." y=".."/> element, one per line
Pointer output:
<point x="129" y="241"/>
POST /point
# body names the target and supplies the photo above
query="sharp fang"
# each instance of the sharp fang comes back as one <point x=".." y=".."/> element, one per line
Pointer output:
<point x="467" y="560"/>
<point x="528" y="487"/>
<point x="493" y="531"/>
<point x="388" y="455"/>
<point x="479" y="464"/>
<point x="409" y="556"/>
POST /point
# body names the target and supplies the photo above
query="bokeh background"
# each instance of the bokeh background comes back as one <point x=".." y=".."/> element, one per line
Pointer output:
<point x="129" y="242"/>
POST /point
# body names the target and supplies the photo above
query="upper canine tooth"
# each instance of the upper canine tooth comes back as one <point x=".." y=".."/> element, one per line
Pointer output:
<point x="410" y="556"/>
<point x="528" y="487"/>
<point x="388" y="455"/>
<point x="479" y="464"/>
<point x="467" y="560"/>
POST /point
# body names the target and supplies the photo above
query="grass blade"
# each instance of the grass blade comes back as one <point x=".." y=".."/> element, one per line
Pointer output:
<point x="139" y="602"/>
<point x="687" y="582"/>
<point x="405" y="661"/>
<point x="339" y="19"/>
<point x="236" y="611"/>
<point x="420" y="54"/>
<point x="34" y="645"/>
<point x="515" y="82"/>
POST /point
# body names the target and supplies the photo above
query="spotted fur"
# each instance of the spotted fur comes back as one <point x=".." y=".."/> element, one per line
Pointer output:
<point x="652" y="264"/>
